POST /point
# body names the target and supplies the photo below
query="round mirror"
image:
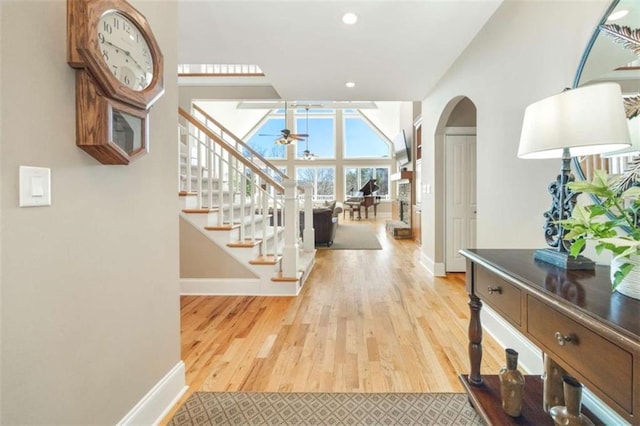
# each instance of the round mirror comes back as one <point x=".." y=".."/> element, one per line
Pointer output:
<point x="613" y="54"/>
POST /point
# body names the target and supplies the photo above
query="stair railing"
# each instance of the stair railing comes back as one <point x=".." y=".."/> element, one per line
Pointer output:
<point x="217" y="161"/>
<point x="240" y="145"/>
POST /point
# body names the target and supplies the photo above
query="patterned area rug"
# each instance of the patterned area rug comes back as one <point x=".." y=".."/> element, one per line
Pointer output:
<point x="241" y="408"/>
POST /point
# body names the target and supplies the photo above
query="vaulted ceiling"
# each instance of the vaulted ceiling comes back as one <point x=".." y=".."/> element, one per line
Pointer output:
<point x="396" y="51"/>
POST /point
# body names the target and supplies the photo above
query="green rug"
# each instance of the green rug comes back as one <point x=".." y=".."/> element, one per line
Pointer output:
<point x="242" y="408"/>
<point x="354" y="237"/>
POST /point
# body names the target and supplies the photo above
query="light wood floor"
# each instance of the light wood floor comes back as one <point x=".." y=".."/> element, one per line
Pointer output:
<point x="365" y="321"/>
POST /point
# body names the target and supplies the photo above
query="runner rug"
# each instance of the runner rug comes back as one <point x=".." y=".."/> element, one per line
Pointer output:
<point x="242" y="408"/>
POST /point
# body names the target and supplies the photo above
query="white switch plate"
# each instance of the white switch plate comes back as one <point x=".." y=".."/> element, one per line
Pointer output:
<point x="35" y="186"/>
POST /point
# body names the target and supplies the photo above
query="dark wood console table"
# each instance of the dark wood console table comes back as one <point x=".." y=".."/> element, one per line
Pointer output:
<point x="580" y="325"/>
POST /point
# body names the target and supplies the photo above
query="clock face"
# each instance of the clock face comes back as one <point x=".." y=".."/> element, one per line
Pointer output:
<point x="125" y="50"/>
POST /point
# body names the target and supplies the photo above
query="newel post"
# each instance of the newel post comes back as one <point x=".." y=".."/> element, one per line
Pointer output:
<point x="290" y="249"/>
<point x="309" y="235"/>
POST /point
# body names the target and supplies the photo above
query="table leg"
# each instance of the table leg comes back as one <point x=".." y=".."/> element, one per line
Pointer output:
<point x="475" y="340"/>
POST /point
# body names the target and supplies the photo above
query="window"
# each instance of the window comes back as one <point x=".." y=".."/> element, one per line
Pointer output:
<point x="356" y="177"/>
<point x="265" y="145"/>
<point x="321" y="131"/>
<point x="322" y="178"/>
<point x="275" y="176"/>
<point x="362" y="141"/>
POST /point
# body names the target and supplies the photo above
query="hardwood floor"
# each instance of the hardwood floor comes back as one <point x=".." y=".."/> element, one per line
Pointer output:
<point x="365" y="321"/>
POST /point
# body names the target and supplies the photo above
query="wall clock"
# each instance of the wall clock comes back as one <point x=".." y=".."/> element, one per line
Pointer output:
<point x="119" y="76"/>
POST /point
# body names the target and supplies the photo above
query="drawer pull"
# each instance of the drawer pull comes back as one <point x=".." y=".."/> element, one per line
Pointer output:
<point x="563" y="339"/>
<point x="492" y="290"/>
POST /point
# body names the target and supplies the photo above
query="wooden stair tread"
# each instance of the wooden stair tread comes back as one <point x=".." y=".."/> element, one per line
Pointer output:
<point x="244" y="244"/>
<point x="199" y="211"/>
<point x="280" y="278"/>
<point x="221" y="227"/>
<point x="269" y="259"/>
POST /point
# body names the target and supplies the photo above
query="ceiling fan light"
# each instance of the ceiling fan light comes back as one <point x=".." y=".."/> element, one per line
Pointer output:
<point x="283" y="141"/>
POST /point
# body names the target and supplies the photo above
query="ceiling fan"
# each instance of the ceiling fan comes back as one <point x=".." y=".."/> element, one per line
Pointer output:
<point x="308" y="155"/>
<point x="286" y="137"/>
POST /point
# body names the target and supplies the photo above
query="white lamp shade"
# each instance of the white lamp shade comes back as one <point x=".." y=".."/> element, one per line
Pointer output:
<point x="587" y="120"/>
<point x="634" y="148"/>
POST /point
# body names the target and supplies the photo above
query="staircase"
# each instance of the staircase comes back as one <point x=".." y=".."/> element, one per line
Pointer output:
<point x="247" y="210"/>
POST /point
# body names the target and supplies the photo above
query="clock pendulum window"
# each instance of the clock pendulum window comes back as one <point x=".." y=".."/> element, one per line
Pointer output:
<point x="119" y="76"/>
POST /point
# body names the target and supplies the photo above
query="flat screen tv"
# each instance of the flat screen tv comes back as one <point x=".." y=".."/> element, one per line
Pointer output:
<point x="401" y="148"/>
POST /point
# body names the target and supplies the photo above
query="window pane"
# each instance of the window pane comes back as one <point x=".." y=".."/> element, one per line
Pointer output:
<point x="326" y="180"/>
<point x="322" y="178"/>
<point x="351" y="180"/>
<point x="382" y="180"/>
<point x="356" y="178"/>
<point x="275" y="176"/>
<point x="304" y="175"/>
<point x="366" y="173"/>
<point x="361" y="141"/>
<point x="265" y="145"/>
<point x="321" y="140"/>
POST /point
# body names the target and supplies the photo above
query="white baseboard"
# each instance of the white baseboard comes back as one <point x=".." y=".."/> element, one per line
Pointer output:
<point x="530" y="360"/>
<point x="236" y="287"/>
<point x="434" y="268"/>
<point x="529" y="355"/>
<point x="152" y="408"/>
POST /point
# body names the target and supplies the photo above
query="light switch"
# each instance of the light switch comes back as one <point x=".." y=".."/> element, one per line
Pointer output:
<point x="35" y="186"/>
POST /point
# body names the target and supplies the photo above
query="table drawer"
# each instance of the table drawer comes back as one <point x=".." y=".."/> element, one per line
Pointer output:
<point x="499" y="294"/>
<point x="608" y="366"/>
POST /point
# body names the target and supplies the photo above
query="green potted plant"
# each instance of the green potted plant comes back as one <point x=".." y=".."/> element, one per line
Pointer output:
<point x="613" y="223"/>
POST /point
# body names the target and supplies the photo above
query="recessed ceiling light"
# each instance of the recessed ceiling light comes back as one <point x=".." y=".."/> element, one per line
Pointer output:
<point x="617" y="15"/>
<point x="350" y="84"/>
<point x="349" y="18"/>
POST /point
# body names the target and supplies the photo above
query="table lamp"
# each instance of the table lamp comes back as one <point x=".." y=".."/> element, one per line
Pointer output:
<point x="634" y="148"/>
<point x="584" y="121"/>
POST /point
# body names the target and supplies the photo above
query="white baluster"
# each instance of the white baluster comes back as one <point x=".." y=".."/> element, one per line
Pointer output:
<point x="265" y="212"/>
<point x="309" y="232"/>
<point x="199" y="171"/>
<point x="290" y="250"/>
<point x="220" y="190"/>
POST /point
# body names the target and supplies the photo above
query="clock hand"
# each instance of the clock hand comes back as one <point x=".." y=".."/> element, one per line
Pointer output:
<point x="126" y="52"/>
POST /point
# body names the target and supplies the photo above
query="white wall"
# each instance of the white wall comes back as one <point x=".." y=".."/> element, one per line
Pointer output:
<point x="527" y="51"/>
<point x="1" y="109"/>
<point x="90" y="307"/>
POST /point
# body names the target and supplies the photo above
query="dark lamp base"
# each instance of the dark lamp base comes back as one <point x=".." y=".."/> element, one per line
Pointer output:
<point x="564" y="260"/>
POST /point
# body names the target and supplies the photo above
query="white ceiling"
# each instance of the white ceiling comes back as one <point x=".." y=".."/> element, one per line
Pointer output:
<point x="397" y="51"/>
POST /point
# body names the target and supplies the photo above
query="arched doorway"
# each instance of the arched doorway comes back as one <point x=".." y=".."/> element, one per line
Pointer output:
<point x="455" y="143"/>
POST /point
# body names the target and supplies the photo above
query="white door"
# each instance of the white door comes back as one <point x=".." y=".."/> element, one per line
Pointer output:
<point x="460" y="193"/>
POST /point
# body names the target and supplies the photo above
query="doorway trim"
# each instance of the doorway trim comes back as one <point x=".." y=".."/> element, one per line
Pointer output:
<point x="439" y="183"/>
